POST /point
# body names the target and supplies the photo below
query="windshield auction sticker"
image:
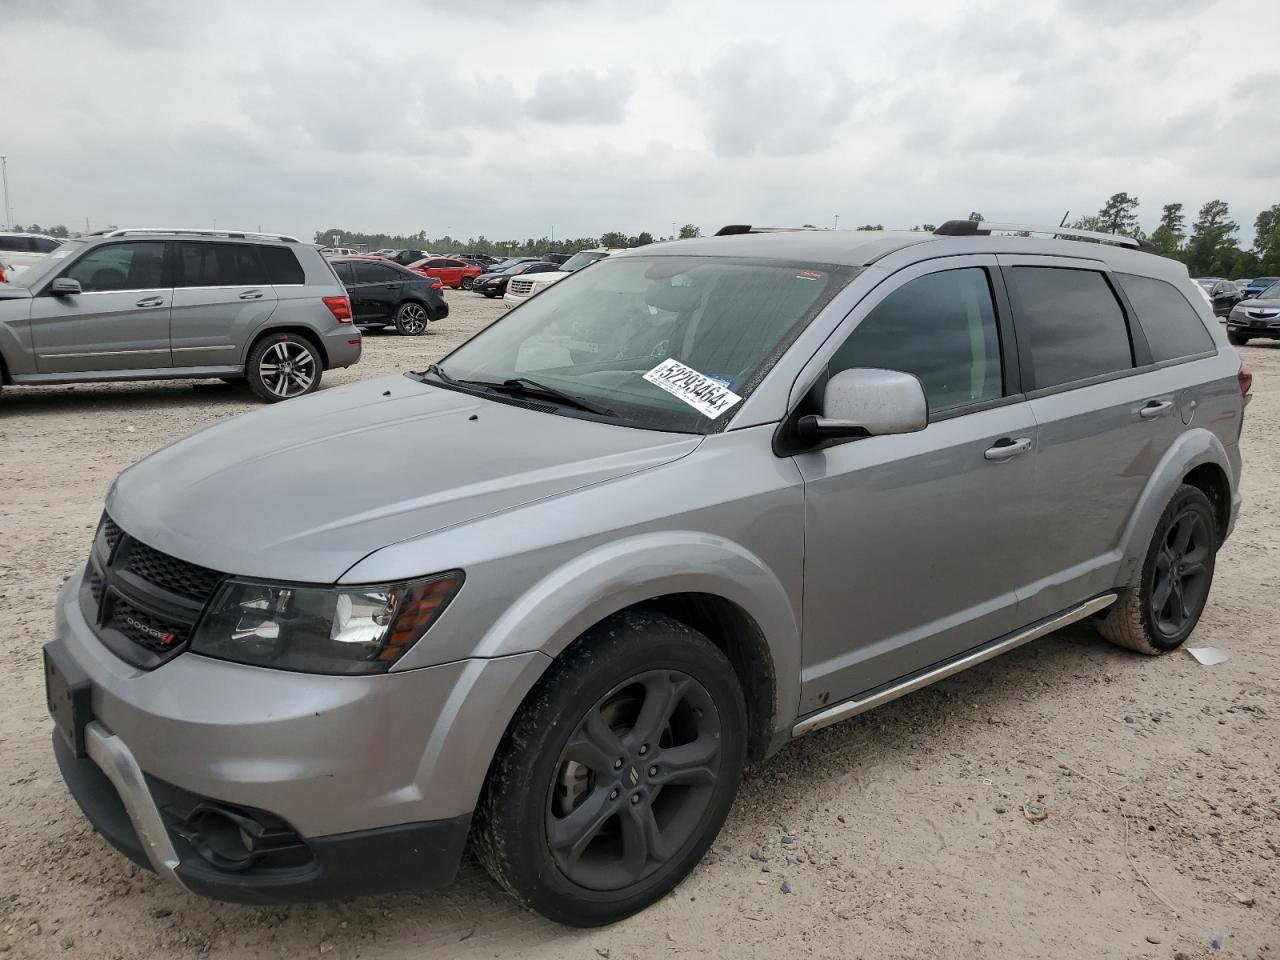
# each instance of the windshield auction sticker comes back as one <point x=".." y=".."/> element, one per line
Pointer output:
<point x="707" y="395"/>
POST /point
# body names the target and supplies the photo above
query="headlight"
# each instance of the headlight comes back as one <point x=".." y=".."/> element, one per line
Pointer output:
<point x="336" y="630"/>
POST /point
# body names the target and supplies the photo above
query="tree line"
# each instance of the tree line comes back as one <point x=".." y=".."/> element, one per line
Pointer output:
<point x="531" y="247"/>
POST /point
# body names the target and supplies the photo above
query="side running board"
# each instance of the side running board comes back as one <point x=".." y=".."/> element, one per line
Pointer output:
<point x="851" y="708"/>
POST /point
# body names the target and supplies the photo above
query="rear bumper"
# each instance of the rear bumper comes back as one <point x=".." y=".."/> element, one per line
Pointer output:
<point x="410" y="855"/>
<point x="342" y="346"/>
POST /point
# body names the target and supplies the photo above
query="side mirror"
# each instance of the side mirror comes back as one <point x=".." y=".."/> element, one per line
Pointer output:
<point x="65" y="287"/>
<point x="866" y="402"/>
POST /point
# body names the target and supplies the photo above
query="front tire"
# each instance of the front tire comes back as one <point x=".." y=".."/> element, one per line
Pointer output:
<point x="412" y="319"/>
<point x="1160" y="608"/>
<point x="1236" y="339"/>
<point x="283" y="366"/>
<point x="617" y="772"/>
<point x="467" y="282"/>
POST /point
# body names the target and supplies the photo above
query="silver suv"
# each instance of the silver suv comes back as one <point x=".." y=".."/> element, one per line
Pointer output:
<point x="680" y="508"/>
<point x="162" y="304"/>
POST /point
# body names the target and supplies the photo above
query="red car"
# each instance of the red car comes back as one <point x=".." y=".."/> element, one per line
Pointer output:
<point x="450" y="272"/>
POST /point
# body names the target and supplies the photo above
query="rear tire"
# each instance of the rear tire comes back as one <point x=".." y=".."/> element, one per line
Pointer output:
<point x="1157" y="611"/>
<point x="283" y="366"/>
<point x="617" y="772"/>
<point x="467" y="282"/>
<point x="1237" y="339"/>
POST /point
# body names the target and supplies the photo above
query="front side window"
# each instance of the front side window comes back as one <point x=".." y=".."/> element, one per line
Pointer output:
<point x="120" y="266"/>
<point x="595" y="335"/>
<point x="940" y="327"/>
<point x="1172" y="328"/>
<point x="1072" y="322"/>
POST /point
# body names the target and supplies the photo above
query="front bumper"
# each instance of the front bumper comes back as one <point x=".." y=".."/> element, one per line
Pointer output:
<point x="374" y="778"/>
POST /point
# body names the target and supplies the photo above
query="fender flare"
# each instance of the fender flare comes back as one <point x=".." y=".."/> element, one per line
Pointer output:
<point x="1192" y="449"/>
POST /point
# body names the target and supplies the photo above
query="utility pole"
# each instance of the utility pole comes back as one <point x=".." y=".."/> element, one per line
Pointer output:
<point x="837" y="225"/>
<point x="673" y="229"/>
<point x="4" y="172"/>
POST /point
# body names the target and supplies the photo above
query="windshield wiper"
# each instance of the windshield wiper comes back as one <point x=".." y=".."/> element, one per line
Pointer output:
<point x="525" y="386"/>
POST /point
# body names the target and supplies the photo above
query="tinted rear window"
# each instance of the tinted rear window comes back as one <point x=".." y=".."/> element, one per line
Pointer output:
<point x="219" y="265"/>
<point x="1073" y="324"/>
<point x="283" y="267"/>
<point x="16" y="244"/>
<point x="1173" y="328"/>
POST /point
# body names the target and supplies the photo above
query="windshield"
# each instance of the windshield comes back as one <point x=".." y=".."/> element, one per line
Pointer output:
<point x="38" y="271"/>
<point x="1207" y="284"/>
<point x="581" y="259"/>
<point x="1270" y="293"/>
<point x="1264" y="282"/>
<point x="595" y="336"/>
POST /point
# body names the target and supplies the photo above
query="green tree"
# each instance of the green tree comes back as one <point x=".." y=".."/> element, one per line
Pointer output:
<point x="642" y="240"/>
<point x="871" y="226"/>
<point x="1212" y="249"/>
<point x="689" y="231"/>
<point x="1167" y="238"/>
<point x="1120" y="215"/>
<point x="1093" y="222"/>
<point x="613" y="239"/>
<point x="1266" y="240"/>
<point x="976" y="217"/>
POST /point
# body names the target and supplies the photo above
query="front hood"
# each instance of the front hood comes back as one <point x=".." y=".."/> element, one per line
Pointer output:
<point x="304" y="489"/>
<point x="11" y="291"/>
<point x="1259" y="304"/>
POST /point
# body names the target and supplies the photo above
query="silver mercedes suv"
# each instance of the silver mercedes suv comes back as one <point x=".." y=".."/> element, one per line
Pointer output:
<point x="160" y="304"/>
<point x="549" y="595"/>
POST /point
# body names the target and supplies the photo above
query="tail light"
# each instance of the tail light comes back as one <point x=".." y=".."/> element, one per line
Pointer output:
<point x="1244" y="377"/>
<point x="340" y="307"/>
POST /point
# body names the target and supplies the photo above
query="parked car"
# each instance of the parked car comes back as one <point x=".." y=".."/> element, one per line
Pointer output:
<point x="384" y="293"/>
<point x="1256" y="318"/>
<point x="339" y="252"/>
<point x="1257" y="285"/>
<point x="1223" y="294"/>
<point x="556" y="606"/>
<point x="1242" y="285"/>
<point x="385" y="252"/>
<point x="524" y="288"/>
<point x="22" y="250"/>
<point x="494" y="283"/>
<point x="406" y="257"/>
<point x="450" y="271"/>
<point x="161" y="305"/>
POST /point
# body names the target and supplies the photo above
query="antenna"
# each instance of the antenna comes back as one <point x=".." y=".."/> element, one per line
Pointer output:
<point x="1063" y="221"/>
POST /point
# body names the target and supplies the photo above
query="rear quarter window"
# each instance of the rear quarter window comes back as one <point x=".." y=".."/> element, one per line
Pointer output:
<point x="1173" y="329"/>
<point x="1072" y="322"/>
<point x="282" y="266"/>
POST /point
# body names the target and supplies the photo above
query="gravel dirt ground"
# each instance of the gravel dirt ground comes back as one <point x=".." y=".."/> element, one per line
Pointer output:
<point x="901" y="833"/>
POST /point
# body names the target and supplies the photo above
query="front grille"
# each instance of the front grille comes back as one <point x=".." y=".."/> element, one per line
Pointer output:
<point x="1263" y="314"/>
<point x="520" y="287"/>
<point x="169" y="572"/>
<point x="143" y="603"/>
<point x="144" y="629"/>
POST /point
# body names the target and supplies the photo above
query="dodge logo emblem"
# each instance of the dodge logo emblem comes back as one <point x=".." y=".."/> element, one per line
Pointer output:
<point x="634" y="776"/>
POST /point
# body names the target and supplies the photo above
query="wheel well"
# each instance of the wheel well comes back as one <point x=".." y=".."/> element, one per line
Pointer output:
<point x="304" y="332"/>
<point x="1211" y="480"/>
<point x="740" y="639"/>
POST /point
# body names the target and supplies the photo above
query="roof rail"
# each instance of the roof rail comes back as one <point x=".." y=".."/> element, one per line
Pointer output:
<point x="197" y="232"/>
<point x="982" y="228"/>
<point x="736" y="228"/>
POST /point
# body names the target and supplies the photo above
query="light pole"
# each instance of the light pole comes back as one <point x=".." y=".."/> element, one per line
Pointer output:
<point x="4" y="173"/>
<point x="837" y="226"/>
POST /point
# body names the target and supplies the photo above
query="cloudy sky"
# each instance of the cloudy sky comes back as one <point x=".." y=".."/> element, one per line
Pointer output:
<point x="515" y="118"/>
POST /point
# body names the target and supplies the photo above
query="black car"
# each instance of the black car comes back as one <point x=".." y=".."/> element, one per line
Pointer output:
<point x="406" y="257"/>
<point x="1223" y="294"/>
<point x="495" y="284"/>
<point x="385" y="293"/>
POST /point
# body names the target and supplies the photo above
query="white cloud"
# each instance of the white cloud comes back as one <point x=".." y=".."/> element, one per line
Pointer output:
<point x="512" y="118"/>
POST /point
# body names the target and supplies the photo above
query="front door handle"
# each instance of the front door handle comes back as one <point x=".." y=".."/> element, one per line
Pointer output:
<point x="251" y="295"/>
<point x="150" y="302"/>
<point x="1155" y="408"/>
<point x="1006" y="448"/>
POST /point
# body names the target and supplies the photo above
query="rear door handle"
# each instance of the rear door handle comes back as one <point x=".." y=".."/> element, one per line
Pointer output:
<point x="1155" y="408"/>
<point x="150" y="302"/>
<point x="251" y="295"/>
<point x="1006" y="448"/>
